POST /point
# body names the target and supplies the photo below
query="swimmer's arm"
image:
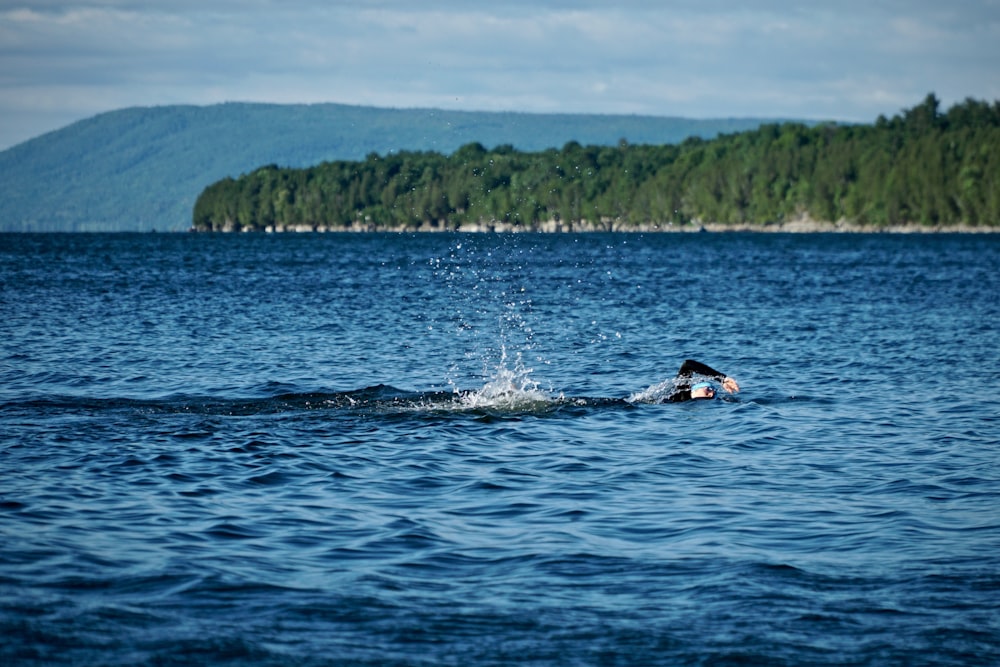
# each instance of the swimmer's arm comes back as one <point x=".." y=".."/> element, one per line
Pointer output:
<point x="691" y="367"/>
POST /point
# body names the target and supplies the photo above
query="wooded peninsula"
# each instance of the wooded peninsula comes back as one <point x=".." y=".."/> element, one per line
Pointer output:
<point x="923" y="168"/>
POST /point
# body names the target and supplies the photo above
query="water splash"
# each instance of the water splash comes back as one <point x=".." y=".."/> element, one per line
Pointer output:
<point x="490" y="308"/>
<point x="656" y="393"/>
<point x="509" y="388"/>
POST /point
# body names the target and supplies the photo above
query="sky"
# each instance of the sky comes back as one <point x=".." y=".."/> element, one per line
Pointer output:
<point x="849" y="60"/>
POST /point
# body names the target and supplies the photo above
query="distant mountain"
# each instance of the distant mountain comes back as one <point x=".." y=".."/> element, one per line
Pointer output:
<point x="141" y="169"/>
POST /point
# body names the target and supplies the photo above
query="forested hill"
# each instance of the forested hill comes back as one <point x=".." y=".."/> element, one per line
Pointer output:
<point x="920" y="167"/>
<point x="142" y="168"/>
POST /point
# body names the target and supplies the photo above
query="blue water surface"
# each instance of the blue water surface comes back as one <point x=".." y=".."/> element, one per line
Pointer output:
<point x="395" y="449"/>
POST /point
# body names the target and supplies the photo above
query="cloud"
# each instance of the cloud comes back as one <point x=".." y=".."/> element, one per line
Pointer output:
<point x="850" y="60"/>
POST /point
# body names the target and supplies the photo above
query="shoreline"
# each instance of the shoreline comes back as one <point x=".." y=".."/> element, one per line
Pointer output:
<point x="798" y="226"/>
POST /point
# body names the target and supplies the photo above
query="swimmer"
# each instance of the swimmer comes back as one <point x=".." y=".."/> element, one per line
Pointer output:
<point x="686" y="391"/>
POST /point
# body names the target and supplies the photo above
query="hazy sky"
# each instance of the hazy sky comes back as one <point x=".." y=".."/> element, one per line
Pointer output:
<point x="62" y="60"/>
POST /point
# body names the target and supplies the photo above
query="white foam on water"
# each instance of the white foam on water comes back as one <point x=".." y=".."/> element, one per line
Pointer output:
<point x="508" y="388"/>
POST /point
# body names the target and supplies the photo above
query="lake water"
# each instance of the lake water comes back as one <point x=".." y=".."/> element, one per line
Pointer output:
<point x="450" y="449"/>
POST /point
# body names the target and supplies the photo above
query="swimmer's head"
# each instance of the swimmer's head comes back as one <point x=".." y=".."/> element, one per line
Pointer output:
<point x="703" y="390"/>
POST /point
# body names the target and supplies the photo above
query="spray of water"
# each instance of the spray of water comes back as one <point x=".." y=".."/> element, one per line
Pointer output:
<point x="491" y="306"/>
<point x="510" y="387"/>
<point x="656" y="393"/>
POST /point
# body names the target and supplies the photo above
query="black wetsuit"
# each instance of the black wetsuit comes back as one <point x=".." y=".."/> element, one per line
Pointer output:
<point x="688" y="369"/>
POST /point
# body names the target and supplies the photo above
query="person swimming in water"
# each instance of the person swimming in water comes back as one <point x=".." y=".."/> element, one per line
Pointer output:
<point x="686" y="391"/>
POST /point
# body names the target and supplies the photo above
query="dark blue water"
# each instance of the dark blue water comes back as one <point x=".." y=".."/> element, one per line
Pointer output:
<point x="450" y="449"/>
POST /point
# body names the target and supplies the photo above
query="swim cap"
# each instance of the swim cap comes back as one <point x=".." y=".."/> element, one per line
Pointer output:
<point x="702" y="385"/>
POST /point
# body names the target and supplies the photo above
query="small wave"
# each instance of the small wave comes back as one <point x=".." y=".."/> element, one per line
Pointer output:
<point x="506" y="393"/>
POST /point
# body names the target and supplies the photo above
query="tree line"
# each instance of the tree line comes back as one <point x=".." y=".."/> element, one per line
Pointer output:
<point x="922" y="166"/>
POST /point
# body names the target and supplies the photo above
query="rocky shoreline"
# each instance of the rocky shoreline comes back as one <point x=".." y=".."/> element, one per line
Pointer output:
<point x="800" y="225"/>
